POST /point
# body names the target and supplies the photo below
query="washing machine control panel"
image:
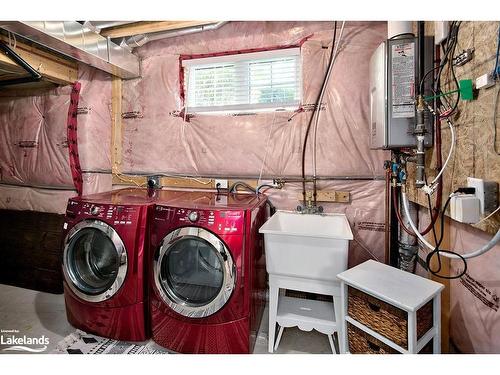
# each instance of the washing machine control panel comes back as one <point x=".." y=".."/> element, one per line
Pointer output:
<point x="112" y="214"/>
<point x="222" y="222"/>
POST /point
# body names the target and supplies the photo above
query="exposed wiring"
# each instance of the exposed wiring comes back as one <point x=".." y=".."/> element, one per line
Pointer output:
<point x="130" y="180"/>
<point x="441" y="95"/>
<point x="197" y="180"/>
<point x="425" y="77"/>
<point x="126" y="178"/>
<point x="449" y="48"/>
<point x="451" y="68"/>
<point x="469" y="255"/>
<point x="437" y="251"/>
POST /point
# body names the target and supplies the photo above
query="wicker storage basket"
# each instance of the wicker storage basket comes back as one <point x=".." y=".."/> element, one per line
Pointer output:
<point x="385" y="319"/>
<point x="362" y="343"/>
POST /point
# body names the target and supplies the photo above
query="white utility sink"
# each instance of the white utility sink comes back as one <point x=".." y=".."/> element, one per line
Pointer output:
<point x="307" y="246"/>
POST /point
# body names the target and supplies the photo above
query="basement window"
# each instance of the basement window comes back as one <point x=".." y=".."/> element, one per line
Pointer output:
<point x="257" y="81"/>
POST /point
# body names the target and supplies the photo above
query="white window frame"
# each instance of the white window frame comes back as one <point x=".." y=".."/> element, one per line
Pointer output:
<point x="250" y="57"/>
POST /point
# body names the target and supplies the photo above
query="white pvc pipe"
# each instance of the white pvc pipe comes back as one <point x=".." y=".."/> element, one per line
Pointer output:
<point x="429" y="189"/>
<point x="399" y="27"/>
<point x="472" y="254"/>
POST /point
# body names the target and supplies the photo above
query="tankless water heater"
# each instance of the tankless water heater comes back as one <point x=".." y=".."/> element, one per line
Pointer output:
<point x="393" y="78"/>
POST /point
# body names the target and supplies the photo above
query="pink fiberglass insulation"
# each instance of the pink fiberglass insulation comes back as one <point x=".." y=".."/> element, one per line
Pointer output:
<point x="475" y="297"/>
<point x="25" y="198"/>
<point x="160" y="141"/>
<point x="34" y="148"/>
<point x="94" y="120"/>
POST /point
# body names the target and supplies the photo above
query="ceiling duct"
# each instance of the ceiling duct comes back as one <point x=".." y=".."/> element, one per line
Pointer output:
<point x="99" y="25"/>
<point x="78" y="42"/>
<point x="140" y="40"/>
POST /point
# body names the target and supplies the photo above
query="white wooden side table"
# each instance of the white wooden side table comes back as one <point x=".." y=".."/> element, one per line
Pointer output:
<point x="305" y="314"/>
<point x="392" y="288"/>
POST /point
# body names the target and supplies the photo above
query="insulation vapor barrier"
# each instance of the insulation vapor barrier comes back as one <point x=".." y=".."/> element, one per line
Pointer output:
<point x="34" y="153"/>
<point x="159" y="139"/>
<point x="475" y="297"/>
<point x="268" y="143"/>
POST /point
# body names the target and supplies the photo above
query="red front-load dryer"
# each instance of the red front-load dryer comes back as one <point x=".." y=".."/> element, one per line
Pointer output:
<point x="104" y="262"/>
<point x="208" y="278"/>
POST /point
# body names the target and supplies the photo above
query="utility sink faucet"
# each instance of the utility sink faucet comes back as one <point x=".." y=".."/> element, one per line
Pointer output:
<point x="309" y="207"/>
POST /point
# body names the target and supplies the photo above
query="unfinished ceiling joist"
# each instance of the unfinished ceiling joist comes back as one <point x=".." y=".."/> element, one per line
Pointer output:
<point x="52" y="68"/>
<point x="78" y="42"/>
<point x="150" y="27"/>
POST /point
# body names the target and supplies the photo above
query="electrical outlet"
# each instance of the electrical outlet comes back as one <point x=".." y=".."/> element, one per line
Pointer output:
<point x="487" y="192"/>
<point x="223" y="183"/>
<point x="485" y="81"/>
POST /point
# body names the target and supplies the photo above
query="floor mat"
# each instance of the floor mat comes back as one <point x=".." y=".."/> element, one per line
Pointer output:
<point x="80" y="342"/>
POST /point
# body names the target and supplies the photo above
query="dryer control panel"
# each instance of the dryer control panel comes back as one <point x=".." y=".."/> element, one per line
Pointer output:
<point x="221" y="222"/>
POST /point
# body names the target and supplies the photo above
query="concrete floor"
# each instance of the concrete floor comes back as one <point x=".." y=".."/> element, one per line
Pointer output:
<point x="36" y="313"/>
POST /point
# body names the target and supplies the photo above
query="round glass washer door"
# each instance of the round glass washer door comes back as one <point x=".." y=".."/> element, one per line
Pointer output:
<point x="94" y="261"/>
<point x="194" y="272"/>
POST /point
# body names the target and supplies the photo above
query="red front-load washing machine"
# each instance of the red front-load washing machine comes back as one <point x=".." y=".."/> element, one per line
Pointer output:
<point x="105" y="253"/>
<point x="208" y="279"/>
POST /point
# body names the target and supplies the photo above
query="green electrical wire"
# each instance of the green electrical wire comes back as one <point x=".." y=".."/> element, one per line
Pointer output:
<point x="465" y="89"/>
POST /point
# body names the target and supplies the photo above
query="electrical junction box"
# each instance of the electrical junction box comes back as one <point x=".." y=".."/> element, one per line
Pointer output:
<point x="393" y="78"/>
<point x="222" y="183"/>
<point x="485" y="81"/>
<point x="465" y="208"/>
<point x="486" y="192"/>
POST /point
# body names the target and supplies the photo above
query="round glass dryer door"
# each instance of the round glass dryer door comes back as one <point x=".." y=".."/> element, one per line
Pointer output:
<point x="94" y="261"/>
<point x="194" y="272"/>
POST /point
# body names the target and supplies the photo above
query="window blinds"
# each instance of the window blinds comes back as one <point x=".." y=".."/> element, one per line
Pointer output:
<point x="252" y="81"/>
